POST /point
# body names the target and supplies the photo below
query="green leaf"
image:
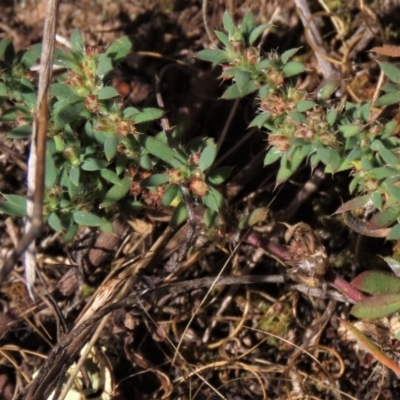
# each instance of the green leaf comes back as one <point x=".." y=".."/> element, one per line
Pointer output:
<point x="147" y="114"/>
<point x="229" y="26"/>
<point x="377" y="201"/>
<point x="208" y="155"/>
<point x="329" y="87"/>
<point x="272" y="155"/>
<point x="20" y="132"/>
<point x="377" y="306"/>
<point x="305" y="105"/>
<point x="365" y="111"/>
<point x="119" y="49"/>
<point x="107" y="92"/>
<point x="61" y="90"/>
<point x="233" y="91"/>
<point x="257" y="32"/>
<point x="390" y="71"/>
<point x="3" y="89"/>
<point x="117" y="192"/>
<point x="104" y="65"/>
<point x="71" y="232"/>
<point x="366" y="162"/>
<point x="65" y="60"/>
<point x="30" y="56"/>
<point x="263" y="66"/>
<point x="350" y="129"/>
<point x="314" y="160"/>
<point x="214" y="56"/>
<point x="107" y="227"/>
<point x="59" y="144"/>
<point x="256" y="216"/>
<point x="242" y="79"/>
<point x="7" y="51"/>
<point x="211" y="218"/>
<point x="77" y="41"/>
<point x="14" y="205"/>
<point x="247" y="25"/>
<point x="284" y="172"/>
<point x="389" y="128"/>
<point x="73" y="190"/>
<point x="260" y="120"/>
<point x="385" y="218"/>
<point x="394" y="233"/>
<point x="109" y="176"/>
<point x="101" y="137"/>
<point x="298" y="117"/>
<point x="377" y="282"/>
<point x="68" y="113"/>
<point x="390" y="87"/>
<point x="154" y="180"/>
<point x="169" y="195"/>
<point x="120" y="163"/>
<point x="145" y="162"/>
<point x="213" y="199"/>
<point x="293" y="68"/>
<point x="130" y="112"/>
<point x="219" y="175"/>
<point x="298" y="156"/>
<point x="388" y="99"/>
<point x="86" y="218"/>
<point x="94" y="164"/>
<point x="288" y="54"/>
<point x="330" y="157"/>
<point x="110" y="146"/>
<point x="222" y="37"/>
<point x="51" y="171"/>
<point x="55" y="222"/>
<point x="28" y="93"/>
<point x="160" y="150"/>
<point x="394" y="191"/>
<point x="179" y="215"/>
<point x="10" y="115"/>
<point x="74" y="175"/>
<point x="354" y="154"/>
<point x="354" y="183"/>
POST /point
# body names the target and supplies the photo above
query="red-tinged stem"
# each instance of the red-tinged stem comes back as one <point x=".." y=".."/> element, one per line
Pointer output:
<point x="282" y="254"/>
<point x="272" y="248"/>
<point x="344" y="287"/>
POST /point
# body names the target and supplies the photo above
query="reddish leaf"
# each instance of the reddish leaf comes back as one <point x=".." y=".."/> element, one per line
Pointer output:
<point x="353" y="204"/>
<point x="387" y="50"/>
<point x="371" y="347"/>
<point x="364" y="228"/>
<point x="385" y="218"/>
<point x="377" y="306"/>
<point x="377" y="282"/>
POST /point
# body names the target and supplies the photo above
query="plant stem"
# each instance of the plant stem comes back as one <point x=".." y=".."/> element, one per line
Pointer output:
<point x="281" y="254"/>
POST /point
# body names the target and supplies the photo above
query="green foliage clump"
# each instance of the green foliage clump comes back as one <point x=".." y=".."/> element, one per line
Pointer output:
<point x="98" y="156"/>
<point x="314" y="128"/>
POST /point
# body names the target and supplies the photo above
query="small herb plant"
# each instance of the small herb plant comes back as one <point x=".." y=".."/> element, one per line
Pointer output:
<point x="320" y="130"/>
<point x="98" y="157"/>
<point x="315" y="128"/>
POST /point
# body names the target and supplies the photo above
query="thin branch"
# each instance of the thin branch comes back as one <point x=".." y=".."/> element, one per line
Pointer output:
<point x="36" y="165"/>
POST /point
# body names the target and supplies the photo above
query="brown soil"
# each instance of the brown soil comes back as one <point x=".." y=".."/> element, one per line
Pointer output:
<point x="264" y="340"/>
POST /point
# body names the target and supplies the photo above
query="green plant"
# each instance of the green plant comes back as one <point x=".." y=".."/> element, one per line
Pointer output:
<point x="98" y="156"/>
<point x="315" y="128"/>
<point x="340" y="136"/>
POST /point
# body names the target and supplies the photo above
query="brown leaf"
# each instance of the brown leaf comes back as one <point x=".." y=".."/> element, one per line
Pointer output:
<point x="387" y="50"/>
